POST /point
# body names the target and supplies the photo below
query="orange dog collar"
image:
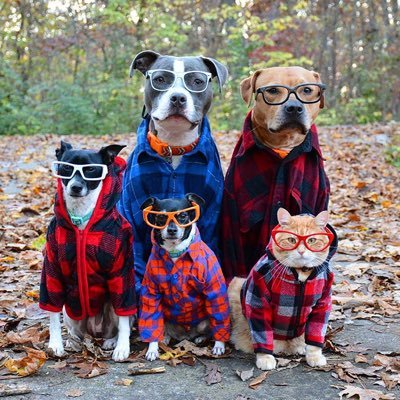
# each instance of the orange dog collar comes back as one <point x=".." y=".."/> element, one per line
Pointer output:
<point x="165" y="150"/>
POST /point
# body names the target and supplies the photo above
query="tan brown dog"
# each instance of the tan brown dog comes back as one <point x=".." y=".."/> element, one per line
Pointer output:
<point x="273" y="125"/>
<point x="277" y="162"/>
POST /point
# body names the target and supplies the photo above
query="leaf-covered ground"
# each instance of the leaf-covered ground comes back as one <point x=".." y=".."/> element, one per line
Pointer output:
<point x="363" y="345"/>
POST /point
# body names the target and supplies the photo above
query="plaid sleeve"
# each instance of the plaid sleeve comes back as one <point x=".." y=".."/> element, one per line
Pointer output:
<point x="216" y="300"/>
<point x="317" y="322"/>
<point x="151" y="318"/>
<point x="232" y="249"/>
<point x="258" y="313"/>
<point x="52" y="293"/>
<point x="121" y="280"/>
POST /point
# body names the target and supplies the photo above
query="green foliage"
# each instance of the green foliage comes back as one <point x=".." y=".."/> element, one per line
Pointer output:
<point x="64" y="68"/>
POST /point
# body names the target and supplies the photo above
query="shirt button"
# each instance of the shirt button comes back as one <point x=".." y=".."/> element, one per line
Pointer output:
<point x="279" y="203"/>
<point x="177" y="296"/>
<point x="175" y="276"/>
<point x="174" y="175"/>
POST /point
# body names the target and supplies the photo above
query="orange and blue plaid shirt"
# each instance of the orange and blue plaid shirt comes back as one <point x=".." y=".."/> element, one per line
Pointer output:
<point x="185" y="292"/>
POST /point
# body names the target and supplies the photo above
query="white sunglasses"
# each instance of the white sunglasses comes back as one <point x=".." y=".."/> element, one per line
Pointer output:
<point x="194" y="81"/>
<point x="89" y="172"/>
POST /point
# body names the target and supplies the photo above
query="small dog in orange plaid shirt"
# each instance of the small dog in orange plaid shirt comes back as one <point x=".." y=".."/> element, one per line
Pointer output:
<point x="183" y="293"/>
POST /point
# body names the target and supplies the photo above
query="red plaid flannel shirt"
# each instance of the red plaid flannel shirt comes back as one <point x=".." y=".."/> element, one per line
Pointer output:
<point x="185" y="292"/>
<point x="85" y="268"/>
<point x="279" y="306"/>
<point x="257" y="183"/>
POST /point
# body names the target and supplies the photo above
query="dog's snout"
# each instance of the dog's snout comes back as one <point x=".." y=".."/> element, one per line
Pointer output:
<point x="178" y="99"/>
<point x="76" y="188"/>
<point x="172" y="229"/>
<point x="294" y="108"/>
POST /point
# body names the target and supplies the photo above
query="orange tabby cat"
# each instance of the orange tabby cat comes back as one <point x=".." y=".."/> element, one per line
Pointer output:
<point x="284" y="305"/>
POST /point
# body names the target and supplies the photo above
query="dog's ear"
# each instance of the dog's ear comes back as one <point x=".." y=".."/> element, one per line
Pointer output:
<point x="217" y="70"/>
<point x="318" y="78"/>
<point x="283" y="216"/>
<point x="143" y="61"/>
<point x="109" y="153"/>
<point x="64" y="146"/>
<point x="193" y="197"/>
<point x="248" y="87"/>
<point x="148" y="202"/>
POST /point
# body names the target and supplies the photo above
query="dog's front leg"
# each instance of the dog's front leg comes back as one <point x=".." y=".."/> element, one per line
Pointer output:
<point x="122" y="349"/>
<point x="219" y="348"/>
<point x="152" y="351"/>
<point x="55" y="342"/>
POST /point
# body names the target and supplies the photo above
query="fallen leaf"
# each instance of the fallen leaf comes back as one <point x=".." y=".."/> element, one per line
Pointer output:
<point x="124" y="382"/>
<point x="365" y="394"/>
<point x="74" y="393"/>
<point x="245" y="375"/>
<point x="253" y="384"/>
<point x="213" y="374"/>
<point x="27" y="365"/>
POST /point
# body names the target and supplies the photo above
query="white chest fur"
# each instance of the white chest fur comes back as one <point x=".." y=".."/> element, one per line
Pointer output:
<point x="81" y="206"/>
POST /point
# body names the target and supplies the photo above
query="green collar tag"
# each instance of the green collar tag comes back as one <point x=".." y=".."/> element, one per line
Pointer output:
<point x="78" y="221"/>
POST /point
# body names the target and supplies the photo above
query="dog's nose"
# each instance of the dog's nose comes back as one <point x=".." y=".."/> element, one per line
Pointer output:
<point x="76" y="189"/>
<point x="294" y="108"/>
<point x="178" y="99"/>
<point x="172" y="229"/>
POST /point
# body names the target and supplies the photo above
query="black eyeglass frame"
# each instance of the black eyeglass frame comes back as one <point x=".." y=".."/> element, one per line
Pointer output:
<point x="291" y="90"/>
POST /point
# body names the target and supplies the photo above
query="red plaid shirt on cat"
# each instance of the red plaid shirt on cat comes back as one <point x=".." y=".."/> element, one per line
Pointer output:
<point x="85" y="268"/>
<point x="185" y="292"/>
<point x="278" y="306"/>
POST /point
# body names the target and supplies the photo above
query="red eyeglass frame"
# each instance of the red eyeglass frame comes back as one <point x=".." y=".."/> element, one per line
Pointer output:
<point x="302" y="238"/>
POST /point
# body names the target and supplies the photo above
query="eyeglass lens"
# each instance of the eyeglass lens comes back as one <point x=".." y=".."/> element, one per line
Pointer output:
<point x="313" y="242"/>
<point x="89" y="171"/>
<point x="279" y="94"/>
<point x="194" y="81"/>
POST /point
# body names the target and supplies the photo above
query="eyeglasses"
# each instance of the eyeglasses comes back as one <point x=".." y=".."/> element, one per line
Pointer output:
<point x="161" y="219"/>
<point x="194" y="81"/>
<point x="307" y="93"/>
<point x="287" y="240"/>
<point x="89" y="172"/>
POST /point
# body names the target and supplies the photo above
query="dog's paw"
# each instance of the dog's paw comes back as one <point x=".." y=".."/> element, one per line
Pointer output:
<point x="265" y="362"/>
<point x="200" y="339"/>
<point x="56" y="347"/>
<point x="219" y="348"/>
<point x="121" y="352"/>
<point x="110" y="344"/>
<point x="314" y="356"/>
<point x="152" y="351"/>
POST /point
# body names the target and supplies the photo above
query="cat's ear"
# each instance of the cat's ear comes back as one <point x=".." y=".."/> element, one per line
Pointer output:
<point x="283" y="216"/>
<point x="322" y="219"/>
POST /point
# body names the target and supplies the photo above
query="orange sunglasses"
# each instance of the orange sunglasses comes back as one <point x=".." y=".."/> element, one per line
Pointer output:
<point x="165" y="217"/>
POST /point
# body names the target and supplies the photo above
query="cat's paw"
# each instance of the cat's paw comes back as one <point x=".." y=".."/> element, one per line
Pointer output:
<point x="219" y="348"/>
<point x="152" y="351"/>
<point x="265" y="362"/>
<point x="314" y="356"/>
<point x="57" y="347"/>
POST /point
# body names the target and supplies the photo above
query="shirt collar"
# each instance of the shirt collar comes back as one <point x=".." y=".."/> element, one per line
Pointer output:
<point x="248" y="140"/>
<point x="202" y="147"/>
<point x="193" y="251"/>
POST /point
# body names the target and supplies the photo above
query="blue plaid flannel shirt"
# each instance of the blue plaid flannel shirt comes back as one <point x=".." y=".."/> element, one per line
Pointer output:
<point x="149" y="175"/>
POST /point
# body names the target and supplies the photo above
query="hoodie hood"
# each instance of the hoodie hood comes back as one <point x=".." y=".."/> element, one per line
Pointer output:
<point x="106" y="202"/>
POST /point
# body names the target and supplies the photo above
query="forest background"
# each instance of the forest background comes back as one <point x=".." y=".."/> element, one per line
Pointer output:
<point x="64" y="64"/>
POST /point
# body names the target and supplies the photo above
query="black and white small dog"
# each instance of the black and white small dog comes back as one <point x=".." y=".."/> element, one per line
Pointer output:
<point x="174" y="228"/>
<point x="82" y="173"/>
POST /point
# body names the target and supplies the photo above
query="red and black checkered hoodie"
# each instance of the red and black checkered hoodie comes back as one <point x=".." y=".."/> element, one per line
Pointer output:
<point x="258" y="182"/>
<point x="83" y="269"/>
